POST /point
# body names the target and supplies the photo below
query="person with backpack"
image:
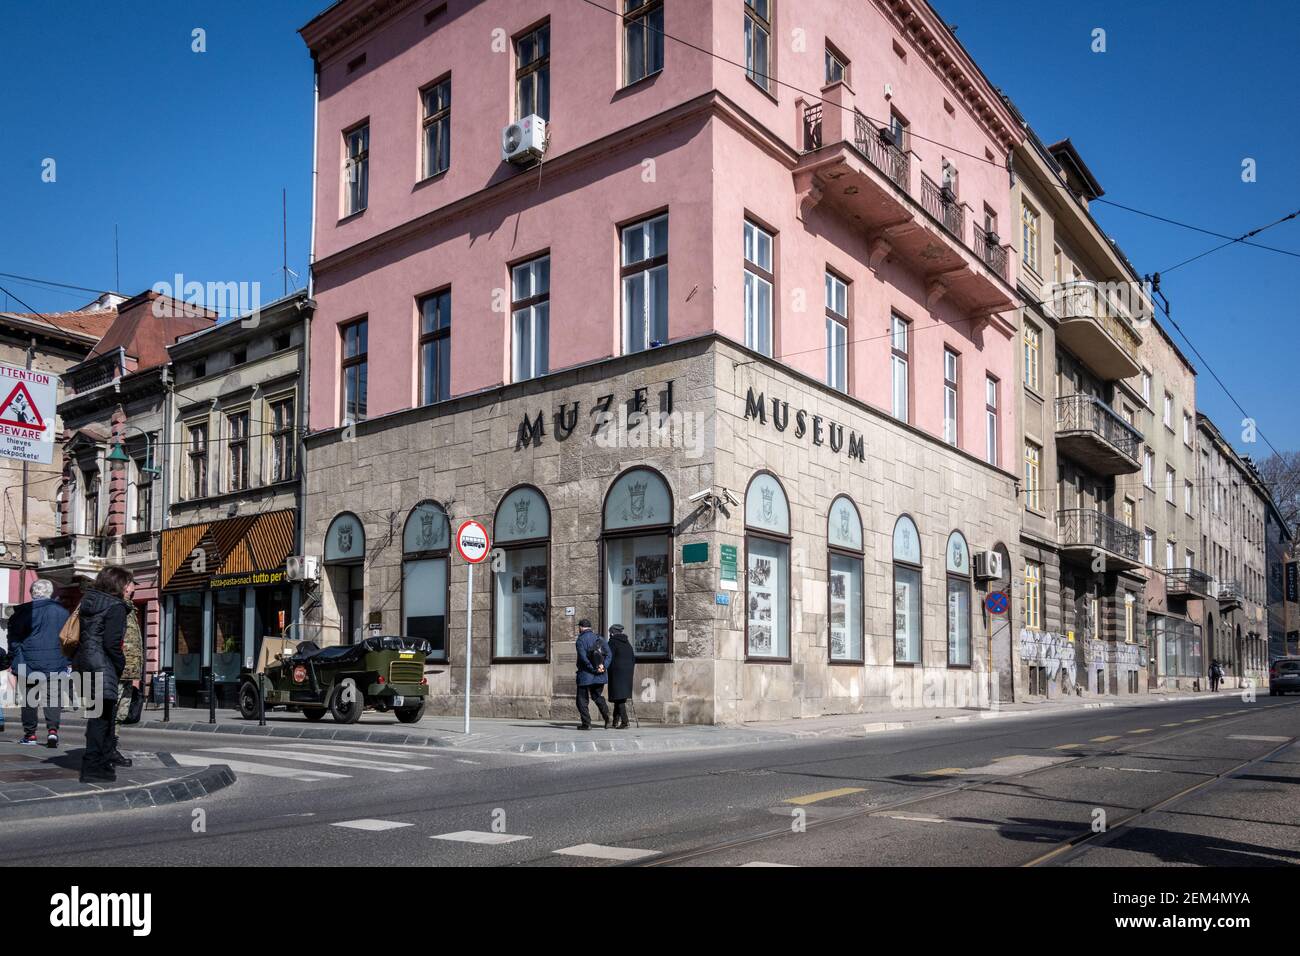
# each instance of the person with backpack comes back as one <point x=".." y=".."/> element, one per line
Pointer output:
<point x="621" y="674"/>
<point x="593" y="654"/>
<point x="1216" y="675"/>
<point x="102" y="617"/>
<point x="38" y="662"/>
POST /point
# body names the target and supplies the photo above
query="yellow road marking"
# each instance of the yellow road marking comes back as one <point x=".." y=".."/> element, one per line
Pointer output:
<point x="824" y="795"/>
<point x="1192" y="720"/>
<point x="1066" y="746"/>
<point x="1102" y="740"/>
<point x="1177" y="723"/>
<point x="1144" y="730"/>
<point x="942" y="772"/>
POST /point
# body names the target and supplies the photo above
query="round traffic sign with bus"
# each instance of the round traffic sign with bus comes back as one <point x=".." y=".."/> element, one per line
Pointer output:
<point x="472" y="541"/>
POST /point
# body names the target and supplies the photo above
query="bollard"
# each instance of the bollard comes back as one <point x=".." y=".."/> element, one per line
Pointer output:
<point x="212" y="697"/>
<point x="261" y="703"/>
<point x="167" y="694"/>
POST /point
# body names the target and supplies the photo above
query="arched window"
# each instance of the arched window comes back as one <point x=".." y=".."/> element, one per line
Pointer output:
<point x="957" y="558"/>
<point x="345" y="554"/>
<point x="907" y="592"/>
<point x="767" y="581"/>
<point x="521" y="596"/>
<point x="638" y="555"/>
<point x="844" y="579"/>
<point x="425" y="541"/>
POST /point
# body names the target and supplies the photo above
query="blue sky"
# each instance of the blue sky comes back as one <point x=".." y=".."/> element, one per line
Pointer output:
<point x="188" y="152"/>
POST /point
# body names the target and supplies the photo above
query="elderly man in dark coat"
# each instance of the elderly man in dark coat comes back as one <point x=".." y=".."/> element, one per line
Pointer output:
<point x="593" y="655"/>
<point x="38" y="661"/>
<point x="621" y="678"/>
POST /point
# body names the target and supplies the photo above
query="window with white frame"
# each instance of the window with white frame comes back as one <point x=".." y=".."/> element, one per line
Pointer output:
<point x="1170" y="550"/>
<point x="1146" y="387"/>
<point x="1170" y="479"/>
<point x="356" y="169"/>
<point x="1029" y="236"/>
<point x="530" y="311"/>
<point x="991" y="420"/>
<point x="837" y="68"/>
<point x="197" y="452"/>
<point x="759" y="280"/>
<point x="1033" y="356"/>
<point x="1169" y="411"/>
<point x="1149" y="548"/>
<point x="1148" y="468"/>
<point x="645" y="284"/>
<point x="950" y="366"/>
<point x="899" y="358"/>
<point x="437" y="127"/>
<point x="237" y="450"/>
<point x="643" y="39"/>
<point x="758" y="42"/>
<point x="837" y="332"/>
<point x="1187" y="497"/>
<point x="1187" y="429"/>
<point x="1033" y="475"/>
<point x="533" y="73"/>
<point x="1033" y="595"/>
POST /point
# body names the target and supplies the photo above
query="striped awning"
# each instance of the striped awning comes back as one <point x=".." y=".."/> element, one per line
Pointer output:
<point x="200" y="556"/>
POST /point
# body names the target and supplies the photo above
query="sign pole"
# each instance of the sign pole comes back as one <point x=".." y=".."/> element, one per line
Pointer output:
<point x="469" y="641"/>
<point x="22" y="562"/>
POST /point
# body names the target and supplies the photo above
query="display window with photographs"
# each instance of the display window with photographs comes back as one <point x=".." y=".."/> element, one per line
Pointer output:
<point x="959" y="601"/>
<point x="767" y="566"/>
<point x="639" y="566"/>
<point x="521" y="594"/>
<point x="907" y="592"/>
<point x="844" y="582"/>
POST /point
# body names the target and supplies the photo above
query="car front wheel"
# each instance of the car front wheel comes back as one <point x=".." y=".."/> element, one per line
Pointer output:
<point x="347" y="703"/>
<point x="248" y="700"/>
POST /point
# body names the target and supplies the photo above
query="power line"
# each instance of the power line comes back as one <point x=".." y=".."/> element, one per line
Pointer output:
<point x="1210" y="232"/>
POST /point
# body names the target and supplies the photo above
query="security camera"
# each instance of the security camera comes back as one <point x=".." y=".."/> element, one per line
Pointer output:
<point x="705" y="495"/>
<point x="731" y="499"/>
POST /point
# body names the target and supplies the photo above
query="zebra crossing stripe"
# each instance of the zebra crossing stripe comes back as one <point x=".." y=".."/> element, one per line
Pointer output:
<point x="262" y="769"/>
<point x="597" y="852"/>
<point x="479" y="836"/>
<point x="328" y="760"/>
<point x="345" y="749"/>
<point x="371" y="825"/>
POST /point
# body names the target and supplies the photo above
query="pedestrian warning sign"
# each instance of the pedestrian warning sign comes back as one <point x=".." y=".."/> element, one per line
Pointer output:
<point x="27" y="413"/>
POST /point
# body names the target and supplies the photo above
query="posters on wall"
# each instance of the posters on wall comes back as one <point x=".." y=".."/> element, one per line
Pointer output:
<point x="840" y="591"/>
<point x="528" y="595"/>
<point x="762" y="597"/>
<point x="638" y="579"/>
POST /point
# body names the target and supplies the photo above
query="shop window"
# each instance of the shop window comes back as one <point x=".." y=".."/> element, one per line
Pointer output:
<point x="425" y="542"/>
<point x="907" y="592"/>
<point x="227" y="634"/>
<point x="959" y="601"/>
<point x="521" y="594"/>
<point x="187" y="662"/>
<point x="844" y="541"/>
<point x="638" y="529"/>
<point x="767" y="564"/>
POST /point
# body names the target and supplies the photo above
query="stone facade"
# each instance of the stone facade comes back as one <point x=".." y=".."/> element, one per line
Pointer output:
<point x="468" y="453"/>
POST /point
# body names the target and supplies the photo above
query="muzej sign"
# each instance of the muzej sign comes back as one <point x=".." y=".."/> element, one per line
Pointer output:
<point x="28" y="398"/>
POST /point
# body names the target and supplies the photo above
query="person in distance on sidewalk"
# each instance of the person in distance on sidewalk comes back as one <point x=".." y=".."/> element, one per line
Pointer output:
<point x="593" y="654"/>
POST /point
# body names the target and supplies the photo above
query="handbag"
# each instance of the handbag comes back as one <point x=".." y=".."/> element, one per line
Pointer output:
<point x="134" y="708"/>
<point x="70" y="635"/>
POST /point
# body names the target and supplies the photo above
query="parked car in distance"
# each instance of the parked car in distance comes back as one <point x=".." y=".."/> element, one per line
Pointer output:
<point x="1284" y="676"/>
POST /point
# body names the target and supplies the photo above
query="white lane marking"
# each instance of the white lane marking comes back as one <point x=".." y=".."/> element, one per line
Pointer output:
<point x="345" y="749"/>
<point x="598" y="852"/>
<point x="915" y="818"/>
<point x="1017" y="763"/>
<point x="760" y="863"/>
<point x="260" y="769"/>
<point x="327" y="760"/>
<point x="1131" y="769"/>
<point x="1267" y="740"/>
<point x="372" y="825"/>
<point x="479" y="836"/>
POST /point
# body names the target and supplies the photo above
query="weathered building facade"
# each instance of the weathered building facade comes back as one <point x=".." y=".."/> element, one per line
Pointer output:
<point x="800" y="539"/>
<point x="234" y="421"/>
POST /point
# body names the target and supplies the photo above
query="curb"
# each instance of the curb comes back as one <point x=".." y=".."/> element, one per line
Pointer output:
<point x="306" y="732"/>
<point x="191" y="785"/>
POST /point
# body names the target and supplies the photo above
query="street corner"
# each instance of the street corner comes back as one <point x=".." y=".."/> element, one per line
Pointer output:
<point x="41" y="783"/>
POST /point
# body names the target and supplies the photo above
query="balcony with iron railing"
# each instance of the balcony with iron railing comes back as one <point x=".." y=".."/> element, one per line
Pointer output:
<point x="1086" y="534"/>
<point x="1089" y="431"/>
<point x="1188" y="583"/>
<point x="1095" y="327"/>
<point x="854" y="168"/>
<point x="1230" y="594"/>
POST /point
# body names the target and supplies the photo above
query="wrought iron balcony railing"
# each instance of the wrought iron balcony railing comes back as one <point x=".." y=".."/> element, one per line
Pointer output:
<point x="941" y="204"/>
<point x="1188" y="581"/>
<point x="1231" y="592"/>
<point x="1088" y="413"/>
<point x="812" y="127"/>
<point x="993" y="255"/>
<point x="1090" y="528"/>
<point x="878" y="146"/>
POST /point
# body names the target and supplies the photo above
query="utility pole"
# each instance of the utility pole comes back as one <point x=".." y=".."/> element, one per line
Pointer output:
<point x="22" y="560"/>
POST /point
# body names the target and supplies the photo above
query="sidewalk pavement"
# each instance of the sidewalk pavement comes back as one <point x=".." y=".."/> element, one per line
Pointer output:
<point x="532" y="736"/>
<point x="37" y="782"/>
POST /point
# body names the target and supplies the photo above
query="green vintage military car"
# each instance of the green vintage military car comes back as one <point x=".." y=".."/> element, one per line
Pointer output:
<point x="384" y="673"/>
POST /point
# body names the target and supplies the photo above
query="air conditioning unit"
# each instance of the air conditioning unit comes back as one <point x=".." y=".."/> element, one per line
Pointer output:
<point x="988" y="564"/>
<point x="524" y="141"/>
<point x="302" y="567"/>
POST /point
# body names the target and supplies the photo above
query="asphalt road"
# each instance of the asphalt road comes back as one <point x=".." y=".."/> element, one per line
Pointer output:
<point x="1200" y="782"/>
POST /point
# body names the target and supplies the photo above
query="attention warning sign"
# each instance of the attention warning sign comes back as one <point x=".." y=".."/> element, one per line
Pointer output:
<point x="27" y="413"/>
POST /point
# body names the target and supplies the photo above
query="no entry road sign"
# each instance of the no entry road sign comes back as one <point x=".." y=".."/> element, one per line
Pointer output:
<point x="996" y="602"/>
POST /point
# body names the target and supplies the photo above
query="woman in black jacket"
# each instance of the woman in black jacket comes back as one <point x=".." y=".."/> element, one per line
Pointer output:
<point x="103" y="612"/>
<point x="620" y="670"/>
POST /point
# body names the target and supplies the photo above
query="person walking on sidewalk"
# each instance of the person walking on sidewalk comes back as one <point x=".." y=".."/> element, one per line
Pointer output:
<point x="103" y="611"/>
<point x="133" y="653"/>
<point x="38" y="662"/>
<point x="593" y="654"/>
<point x="1216" y="675"/>
<point x="621" y="679"/>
